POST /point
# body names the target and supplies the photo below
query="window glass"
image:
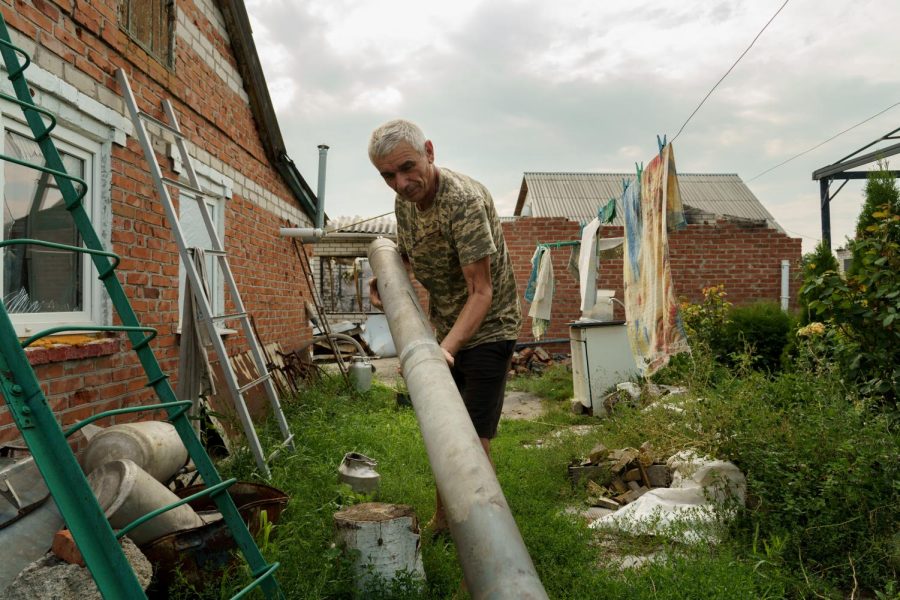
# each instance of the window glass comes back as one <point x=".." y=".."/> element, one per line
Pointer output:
<point x="150" y="24"/>
<point x="196" y="236"/>
<point x="38" y="279"/>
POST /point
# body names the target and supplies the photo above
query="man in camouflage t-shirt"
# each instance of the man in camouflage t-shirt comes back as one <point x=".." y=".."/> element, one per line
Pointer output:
<point x="449" y="233"/>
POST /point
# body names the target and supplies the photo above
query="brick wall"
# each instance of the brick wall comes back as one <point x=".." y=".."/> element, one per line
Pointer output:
<point x="81" y="44"/>
<point x="745" y="258"/>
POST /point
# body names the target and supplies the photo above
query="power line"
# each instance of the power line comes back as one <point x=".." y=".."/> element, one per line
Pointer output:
<point x="798" y="234"/>
<point x="808" y="150"/>
<point x="708" y="94"/>
<point x="348" y="226"/>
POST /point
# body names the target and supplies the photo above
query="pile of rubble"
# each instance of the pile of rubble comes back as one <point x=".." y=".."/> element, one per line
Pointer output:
<point x="536" y="360"/>
<point x="615" y="478"/>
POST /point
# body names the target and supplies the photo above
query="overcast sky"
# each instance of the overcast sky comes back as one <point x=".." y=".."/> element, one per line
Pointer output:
<point x="508" y="86"/>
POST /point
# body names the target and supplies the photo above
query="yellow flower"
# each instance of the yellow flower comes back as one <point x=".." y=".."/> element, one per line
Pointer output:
<point x="811" y="330"/>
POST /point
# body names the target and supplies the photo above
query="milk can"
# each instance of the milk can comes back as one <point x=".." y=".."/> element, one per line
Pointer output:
<point x="360" y="372"/>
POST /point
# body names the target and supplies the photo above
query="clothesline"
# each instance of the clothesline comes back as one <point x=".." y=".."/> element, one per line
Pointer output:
<point x="559" y="244"/>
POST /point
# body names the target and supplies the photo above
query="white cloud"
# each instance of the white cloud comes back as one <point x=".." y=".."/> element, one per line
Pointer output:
<point x="506" y="86"/>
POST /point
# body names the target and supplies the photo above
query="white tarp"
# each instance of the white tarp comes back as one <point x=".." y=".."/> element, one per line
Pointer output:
<point x="703" y="491"/>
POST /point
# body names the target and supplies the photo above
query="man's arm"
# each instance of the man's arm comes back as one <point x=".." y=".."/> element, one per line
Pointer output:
<point x="478" y="283"/>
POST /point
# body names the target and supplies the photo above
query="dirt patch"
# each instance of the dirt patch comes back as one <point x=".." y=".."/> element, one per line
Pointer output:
<point x="522" y="405"/>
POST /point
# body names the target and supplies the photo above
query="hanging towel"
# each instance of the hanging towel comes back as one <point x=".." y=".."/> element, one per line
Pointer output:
<point x="587" y="265"/>
<point x="608" y="212"/>
<point x="652" y="208"/>
<point x="540" y="308"/>
<point x="535" y="266"/>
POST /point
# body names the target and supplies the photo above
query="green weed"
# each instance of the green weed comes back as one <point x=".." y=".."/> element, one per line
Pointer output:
<point x="821" y="466"/>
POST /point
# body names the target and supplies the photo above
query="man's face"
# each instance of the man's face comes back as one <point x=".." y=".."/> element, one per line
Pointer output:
<point x="409" y="173"/>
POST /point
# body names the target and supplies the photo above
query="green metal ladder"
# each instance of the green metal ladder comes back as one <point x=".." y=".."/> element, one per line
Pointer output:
<point x="20" y="388"/>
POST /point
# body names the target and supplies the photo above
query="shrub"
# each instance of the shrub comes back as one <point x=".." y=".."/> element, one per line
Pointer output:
<point x="705" y="322"/>
<point x="814" y="264"/>
<point x="866" y="305"/>
<point x="834" y="511"/>
<point x="759" y="330"/>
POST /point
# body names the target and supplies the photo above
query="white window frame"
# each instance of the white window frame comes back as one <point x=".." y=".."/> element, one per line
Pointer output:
<point x="216" y="205"/>
<point x="94" y="153"/>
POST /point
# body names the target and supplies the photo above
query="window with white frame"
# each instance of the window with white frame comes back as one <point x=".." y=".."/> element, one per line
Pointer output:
<point x="45" y="287"/>
<point x="197" y="236"/>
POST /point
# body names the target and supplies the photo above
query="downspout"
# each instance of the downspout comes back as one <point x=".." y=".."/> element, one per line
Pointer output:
<point x="311" y="235"/>
<point x="785" y="284"/>
<point x="493" y="556"/>
<point x="320" y="191"/>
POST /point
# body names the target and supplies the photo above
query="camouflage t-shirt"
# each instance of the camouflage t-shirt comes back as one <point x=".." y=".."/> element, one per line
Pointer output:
<point x="459" y="228"/>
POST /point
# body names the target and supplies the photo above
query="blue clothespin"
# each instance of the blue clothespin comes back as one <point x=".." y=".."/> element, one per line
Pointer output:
<point x="661" y="143"/>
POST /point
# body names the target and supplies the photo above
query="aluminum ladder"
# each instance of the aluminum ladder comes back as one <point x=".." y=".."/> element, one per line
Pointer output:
<point x="35" y="420"/>
<point x="193" y="189"/>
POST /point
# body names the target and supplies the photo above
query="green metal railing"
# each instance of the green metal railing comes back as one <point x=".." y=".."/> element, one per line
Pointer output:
<point x="33" y="416"/>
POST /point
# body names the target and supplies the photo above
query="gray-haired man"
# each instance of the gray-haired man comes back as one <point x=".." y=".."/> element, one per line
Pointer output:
<point x="449" y="233"/>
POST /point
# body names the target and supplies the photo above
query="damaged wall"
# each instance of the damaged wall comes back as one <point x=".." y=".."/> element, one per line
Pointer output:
<point x="76" y="48"/>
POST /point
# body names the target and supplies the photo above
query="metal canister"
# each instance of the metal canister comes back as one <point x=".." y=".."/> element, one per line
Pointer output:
<point x="360" y="373"/>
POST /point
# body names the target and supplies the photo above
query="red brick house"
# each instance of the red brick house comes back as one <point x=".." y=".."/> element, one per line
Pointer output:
<point x="730" y="239"/>
<point x="200" y="55"/>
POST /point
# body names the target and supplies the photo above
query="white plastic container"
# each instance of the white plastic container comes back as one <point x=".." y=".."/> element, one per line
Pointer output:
<point x="154" y="446"/>
<point x="126" y="492"/>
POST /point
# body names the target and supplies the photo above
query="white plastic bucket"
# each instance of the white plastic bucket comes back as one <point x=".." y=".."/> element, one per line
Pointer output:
<point x="154" y="446"/>
<point x="126" y="492"/>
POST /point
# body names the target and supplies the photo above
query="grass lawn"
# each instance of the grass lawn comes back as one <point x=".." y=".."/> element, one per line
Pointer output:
<point x="758" y="559"/>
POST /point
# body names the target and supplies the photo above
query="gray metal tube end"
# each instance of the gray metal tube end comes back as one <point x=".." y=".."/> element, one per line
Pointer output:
<point x="306" y="234"/>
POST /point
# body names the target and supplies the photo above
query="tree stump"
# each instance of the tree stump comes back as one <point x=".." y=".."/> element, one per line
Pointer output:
<point x="386" y="537"/>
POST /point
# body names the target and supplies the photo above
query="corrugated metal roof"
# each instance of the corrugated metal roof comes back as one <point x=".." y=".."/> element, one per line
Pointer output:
<point x="578" y="196"/>
<point x="383" y="225"/>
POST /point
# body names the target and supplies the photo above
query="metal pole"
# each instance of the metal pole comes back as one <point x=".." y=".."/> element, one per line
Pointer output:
<point x="825" y="203"/>
<point x="494" y="559"/>
<point x="320" y="191"/>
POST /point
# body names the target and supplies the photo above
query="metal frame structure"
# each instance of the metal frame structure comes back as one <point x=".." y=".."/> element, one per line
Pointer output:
<point x="840" y="170"/>
<point x="36" y="421"/>
<point x="193" y="190"/>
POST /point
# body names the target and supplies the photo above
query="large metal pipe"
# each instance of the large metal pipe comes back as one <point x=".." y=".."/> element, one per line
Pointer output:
<point x="493" y="556"/>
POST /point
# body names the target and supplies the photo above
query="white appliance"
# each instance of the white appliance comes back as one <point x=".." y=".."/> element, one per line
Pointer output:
<point x="601" y="358"/>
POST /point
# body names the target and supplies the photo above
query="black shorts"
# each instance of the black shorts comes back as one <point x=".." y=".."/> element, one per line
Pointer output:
<point x="480" y="375"/>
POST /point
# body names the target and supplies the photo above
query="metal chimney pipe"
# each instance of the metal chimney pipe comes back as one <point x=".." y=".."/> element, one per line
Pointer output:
<point x="320" y="191"/>
<point x="495" y="562"/>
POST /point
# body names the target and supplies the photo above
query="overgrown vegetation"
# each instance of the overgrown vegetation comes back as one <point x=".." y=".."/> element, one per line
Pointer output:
<point x="820" y="462"/>
<point x="863" y="305"/>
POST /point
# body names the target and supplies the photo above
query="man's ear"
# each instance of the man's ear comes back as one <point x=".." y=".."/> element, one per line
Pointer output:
<point x="429" y="151"/>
